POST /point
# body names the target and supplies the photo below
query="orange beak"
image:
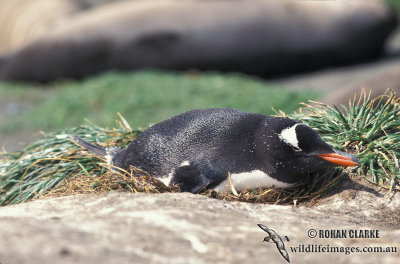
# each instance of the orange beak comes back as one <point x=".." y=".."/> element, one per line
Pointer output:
<point x="342" y="159"/>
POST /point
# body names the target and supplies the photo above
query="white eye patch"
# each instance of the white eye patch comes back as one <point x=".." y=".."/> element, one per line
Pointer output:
<point x="289" y="136"/>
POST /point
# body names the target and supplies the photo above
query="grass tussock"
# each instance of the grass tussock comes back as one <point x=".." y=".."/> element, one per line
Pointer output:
<point x="368" y="128"/>
<point x="55" y="159"/>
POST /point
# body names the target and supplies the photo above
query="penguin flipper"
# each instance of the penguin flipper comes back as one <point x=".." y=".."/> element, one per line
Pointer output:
<point x="189" y="179"/>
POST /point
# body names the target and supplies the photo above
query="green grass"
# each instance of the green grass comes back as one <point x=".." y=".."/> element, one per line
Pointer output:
<point x="142" y="98"/>
<point x="395" y="4"/>
<point x="369" y="129"/>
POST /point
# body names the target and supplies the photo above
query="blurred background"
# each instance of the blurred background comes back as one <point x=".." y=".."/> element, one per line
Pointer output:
<point x="64" y="61"/>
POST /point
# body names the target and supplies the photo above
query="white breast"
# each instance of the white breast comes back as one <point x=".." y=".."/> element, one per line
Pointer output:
<point x="251" y="180"/>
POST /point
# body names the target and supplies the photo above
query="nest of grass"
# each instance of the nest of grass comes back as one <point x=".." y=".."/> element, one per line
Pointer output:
<point x="55" y="165"/>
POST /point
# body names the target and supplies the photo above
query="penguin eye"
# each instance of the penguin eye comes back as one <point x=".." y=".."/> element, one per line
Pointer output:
<point x="296" y="149"/>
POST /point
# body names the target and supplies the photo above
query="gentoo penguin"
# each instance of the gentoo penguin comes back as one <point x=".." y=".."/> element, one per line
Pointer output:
<point x="199" y="148"/>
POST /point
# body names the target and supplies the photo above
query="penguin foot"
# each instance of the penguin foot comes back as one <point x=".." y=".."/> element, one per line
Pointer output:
<point x="189" y="179"/>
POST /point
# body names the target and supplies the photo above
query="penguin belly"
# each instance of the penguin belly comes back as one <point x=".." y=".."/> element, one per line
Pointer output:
<point x="251" y="180"/>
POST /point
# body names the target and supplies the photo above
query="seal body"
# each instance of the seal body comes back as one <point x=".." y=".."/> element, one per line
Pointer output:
<point x="200" y="148"/>
<point x="257" y="37"/>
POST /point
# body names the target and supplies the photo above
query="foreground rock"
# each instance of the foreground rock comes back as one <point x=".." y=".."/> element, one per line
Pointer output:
<point x="176" y="228"/>
<point x="251" y="36"/>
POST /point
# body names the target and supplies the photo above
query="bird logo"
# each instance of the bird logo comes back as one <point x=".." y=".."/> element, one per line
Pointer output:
<point x="274" y="237"/>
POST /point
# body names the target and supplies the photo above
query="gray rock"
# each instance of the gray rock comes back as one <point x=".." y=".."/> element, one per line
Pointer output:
<point x="376" y="84"/>
<point x="251" y="36"/>
<point x="176" y="228"/>
<point x="340" y="84"/>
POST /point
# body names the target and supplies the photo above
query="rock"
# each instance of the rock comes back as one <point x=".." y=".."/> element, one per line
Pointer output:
<point x="377" y="84"/>
<point x="339" y="84"/>
<point x="251" y="36"/>
<point x="183" y="228"/>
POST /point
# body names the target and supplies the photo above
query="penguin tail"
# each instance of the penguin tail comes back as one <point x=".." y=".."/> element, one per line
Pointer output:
<point x="89" y="146"/>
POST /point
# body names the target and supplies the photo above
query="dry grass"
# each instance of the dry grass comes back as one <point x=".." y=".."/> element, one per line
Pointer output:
<point x="138" y="181"/>
<point x="133" y="181"/>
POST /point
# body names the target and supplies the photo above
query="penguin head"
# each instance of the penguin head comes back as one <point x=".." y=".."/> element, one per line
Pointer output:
<point x="297" y="149"/>
<point x="312" y="145"/>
